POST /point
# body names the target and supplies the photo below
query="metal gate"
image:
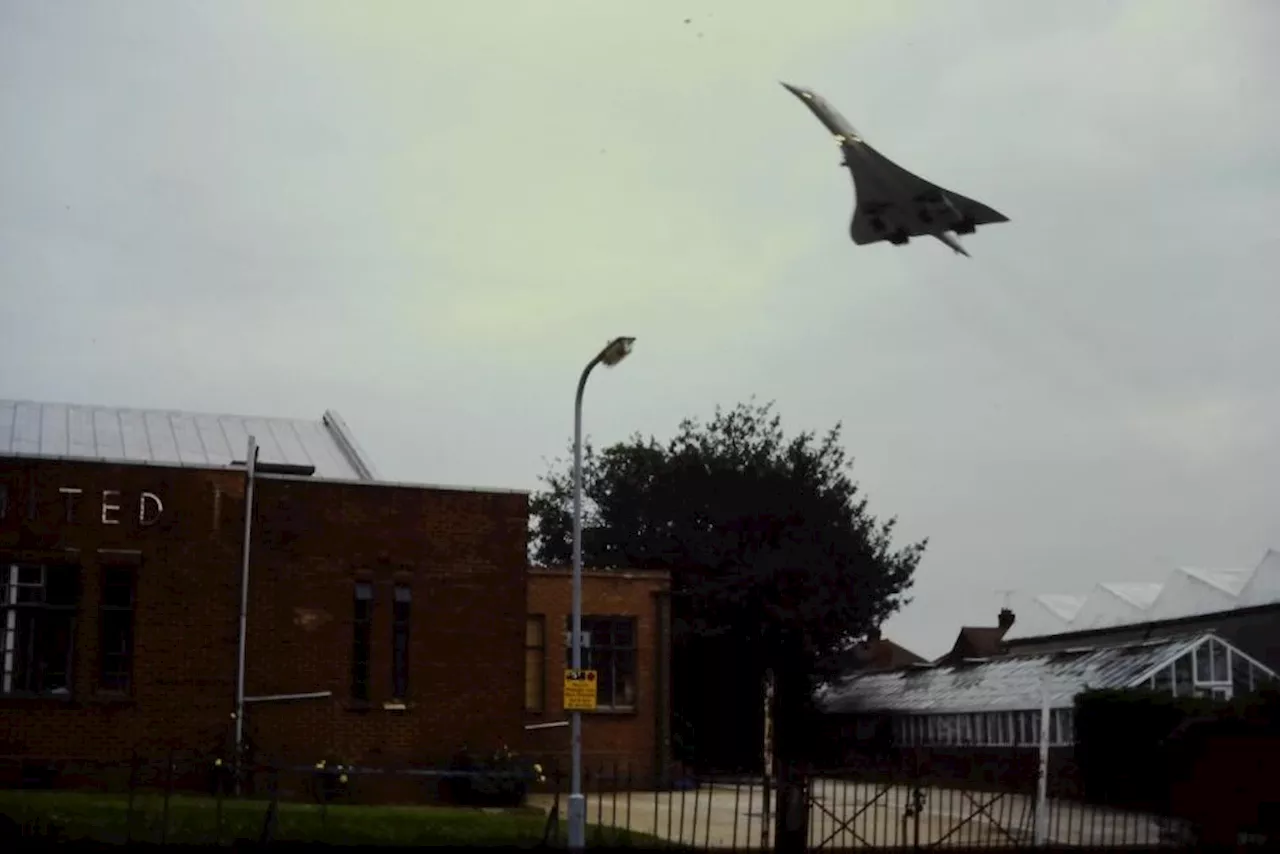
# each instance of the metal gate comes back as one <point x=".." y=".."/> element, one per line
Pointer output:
<point x="846" y="812"/>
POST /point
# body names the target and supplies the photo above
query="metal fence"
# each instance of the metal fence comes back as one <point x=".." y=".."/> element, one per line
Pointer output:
<point x="191" y="798"/>
<point x="188" y="798"/>
<point x="844" y="812"/>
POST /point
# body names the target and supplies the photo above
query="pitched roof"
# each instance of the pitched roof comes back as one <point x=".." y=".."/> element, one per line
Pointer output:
<point x="168" y="437"/>
<point x="1185" y="592"/>
<point x="877" y="654"/>
<point x="978" y="641"/>
<point x="1008" y="682"/>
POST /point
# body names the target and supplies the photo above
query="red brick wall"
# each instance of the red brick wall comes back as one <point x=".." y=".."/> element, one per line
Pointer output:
<point x="463" y="554"/>
<point x="627" y="741"/>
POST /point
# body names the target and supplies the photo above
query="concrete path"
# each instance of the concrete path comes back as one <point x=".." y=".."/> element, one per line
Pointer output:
<point x="848" y="815"/>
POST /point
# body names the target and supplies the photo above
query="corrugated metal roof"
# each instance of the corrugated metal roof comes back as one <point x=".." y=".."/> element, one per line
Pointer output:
<point x="1007" y="683"/>
<point x="166" y="437"/>
<point x="1185" y="592"/>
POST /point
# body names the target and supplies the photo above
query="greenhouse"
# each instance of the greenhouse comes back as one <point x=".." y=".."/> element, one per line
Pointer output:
<point x="996" y="702"/>
<point x="1186" y="592"/>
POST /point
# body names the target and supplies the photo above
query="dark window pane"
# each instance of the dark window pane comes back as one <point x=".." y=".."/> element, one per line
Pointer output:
<point x="400" y="642"/>
<point x="22" y="676"/>
<point x="623" y="634"/>
<point x="117" y="588"/>
<point x="624" y="674"/>
<point x="534" y="679"/>
<point x="38" y="627"/>
<point x="611" y="654"/>
<point x="1203" y="672"/>
<point x="535" y="632"/>
<point x="361" y="641"/>
<point x="603" y="666"/>
<point x="62" y="585"/>
<point x="1219" y="657"/>
<point x="1182" y="673"/>
<point x="115" y="637"/>
<point x="117" y="649"/>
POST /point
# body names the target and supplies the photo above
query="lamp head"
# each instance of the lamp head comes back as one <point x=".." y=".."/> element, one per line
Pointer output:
<point x="615" y="351"/>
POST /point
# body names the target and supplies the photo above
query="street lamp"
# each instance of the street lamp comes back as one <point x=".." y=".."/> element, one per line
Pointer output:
<point x="613" y="353"/>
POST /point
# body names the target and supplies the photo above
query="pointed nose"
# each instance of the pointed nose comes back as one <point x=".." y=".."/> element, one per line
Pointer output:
<point x="795" y="90"/>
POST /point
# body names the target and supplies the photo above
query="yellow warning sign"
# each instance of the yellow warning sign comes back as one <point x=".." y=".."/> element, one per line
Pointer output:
<point x="579" y="690"/>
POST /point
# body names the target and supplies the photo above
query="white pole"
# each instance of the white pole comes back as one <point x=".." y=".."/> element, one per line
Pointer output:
<point x="766" y="814"/>
<point x="1042" y="781"/>
<point x="250" y="465"/>
<point x="614" y="352"/>
<point x="10" y="628"/>
<point x="577" y="802"/>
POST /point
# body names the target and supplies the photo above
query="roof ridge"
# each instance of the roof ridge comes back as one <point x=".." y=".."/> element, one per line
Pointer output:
<point x="1213" y="576"/>
<point x="159" y="410"/>
<point x="32" y="429"/>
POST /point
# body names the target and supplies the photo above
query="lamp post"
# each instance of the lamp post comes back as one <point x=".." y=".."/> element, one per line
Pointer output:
<point x="613" y="353"/>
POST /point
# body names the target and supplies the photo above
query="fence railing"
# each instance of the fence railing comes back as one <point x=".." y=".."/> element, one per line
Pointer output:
<point x="847" y="811"/>
<point x="183" y="798"/>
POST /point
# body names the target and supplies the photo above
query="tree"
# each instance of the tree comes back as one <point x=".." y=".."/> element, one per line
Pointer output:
<point x="776" y="562"/>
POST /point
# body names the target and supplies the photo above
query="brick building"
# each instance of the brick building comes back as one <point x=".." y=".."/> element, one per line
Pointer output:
<point x="385" y="622"/>
<point x="627" y="618"/>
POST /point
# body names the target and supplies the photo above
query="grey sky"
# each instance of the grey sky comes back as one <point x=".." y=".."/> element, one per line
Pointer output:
<point x="428" y="215"/>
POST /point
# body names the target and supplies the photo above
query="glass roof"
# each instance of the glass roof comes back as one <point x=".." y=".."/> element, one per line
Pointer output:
<point x="1006" y="683"/>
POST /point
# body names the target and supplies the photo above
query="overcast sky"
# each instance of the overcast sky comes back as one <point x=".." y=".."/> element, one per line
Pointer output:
<point x="429" y="215"/>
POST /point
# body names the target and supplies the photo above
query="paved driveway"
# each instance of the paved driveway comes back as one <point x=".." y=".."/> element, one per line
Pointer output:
<point x="847" y="815"/>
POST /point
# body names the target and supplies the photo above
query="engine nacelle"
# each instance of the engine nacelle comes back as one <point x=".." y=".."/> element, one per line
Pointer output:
<point x="964" y="226"/>
<point x="900" y="238"/>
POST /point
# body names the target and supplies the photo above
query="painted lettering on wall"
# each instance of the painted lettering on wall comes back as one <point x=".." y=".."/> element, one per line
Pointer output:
<point x="106" y="507"/>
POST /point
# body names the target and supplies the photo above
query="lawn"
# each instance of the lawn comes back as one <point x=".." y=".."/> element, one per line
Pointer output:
<point x="75" y="816"/>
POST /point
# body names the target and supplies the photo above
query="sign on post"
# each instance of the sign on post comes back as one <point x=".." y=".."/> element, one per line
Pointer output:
<point x="579" y="690"/>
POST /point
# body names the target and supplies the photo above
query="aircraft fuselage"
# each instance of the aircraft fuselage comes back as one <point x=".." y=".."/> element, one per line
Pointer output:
<point x="863" y="162"/>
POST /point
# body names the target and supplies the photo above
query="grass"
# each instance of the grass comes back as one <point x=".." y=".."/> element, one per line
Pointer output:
<point x="193" y="820"/>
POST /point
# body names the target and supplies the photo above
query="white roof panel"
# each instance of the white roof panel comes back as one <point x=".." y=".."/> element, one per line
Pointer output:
<point x="1264" y="587"/>
<point x="1187" y="592"/>
<point x="1229" y="581"/>
<point x="118" y="434"/>
<point x="1064" y="606"/>
<point x="1007" y="683"/>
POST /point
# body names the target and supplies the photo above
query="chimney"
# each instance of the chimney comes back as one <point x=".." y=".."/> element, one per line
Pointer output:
<point x="1005" y="620"/>
<point x="873" y="636"/>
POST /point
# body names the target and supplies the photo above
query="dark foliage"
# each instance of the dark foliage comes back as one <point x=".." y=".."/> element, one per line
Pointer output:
<point x="1130" y="744"/>
<point x="775" y="560"/>
<point x="497" y="779"/>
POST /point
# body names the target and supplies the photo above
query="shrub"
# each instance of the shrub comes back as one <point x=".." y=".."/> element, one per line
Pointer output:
<point x="497" y="779"/>
<point x="1127" y="740"/>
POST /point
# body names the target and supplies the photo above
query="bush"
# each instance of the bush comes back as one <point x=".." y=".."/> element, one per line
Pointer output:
<point x="498" y="779"/>
<point x="1127" y="740"/>
<point x="331" y="782"/>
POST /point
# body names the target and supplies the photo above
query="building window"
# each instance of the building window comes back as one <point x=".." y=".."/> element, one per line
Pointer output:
<point x="611" y="652"/>
<point x="37" y="628"/>
<point x="115" y="629"/>
<point x="535" y="663"/>
<point x="362" y="641"/>
<point x="401" y="605"/>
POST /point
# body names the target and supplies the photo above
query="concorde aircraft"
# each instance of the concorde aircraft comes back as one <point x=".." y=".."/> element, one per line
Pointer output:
<point x="893" y="204"/>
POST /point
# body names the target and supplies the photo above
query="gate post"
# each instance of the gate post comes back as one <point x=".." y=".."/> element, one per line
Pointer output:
<point x="791" y="831"/>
